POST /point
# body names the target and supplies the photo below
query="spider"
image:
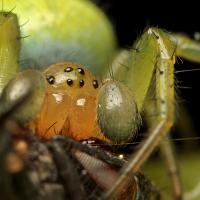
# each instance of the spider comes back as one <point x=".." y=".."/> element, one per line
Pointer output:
<point x="111" y="110"/>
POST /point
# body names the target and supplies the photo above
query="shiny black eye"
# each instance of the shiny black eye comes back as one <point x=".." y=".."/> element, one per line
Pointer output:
<point x="51" y="80"/>
<point x="95" y="84"/>
<point x="81" y="83"/>
<point x="69" y="81"/>
<point x="68" y="69"/>
<point x="81" y="70"/>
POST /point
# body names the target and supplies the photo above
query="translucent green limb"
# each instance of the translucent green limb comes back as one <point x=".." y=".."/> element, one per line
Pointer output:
<point x="166" y="147"/>
<point x="9" y="47"/>
<point x="186" y="47"/>
<point x="171" y="164"/>
<point x="164" y="72"/>
<point x="139" y="64"/>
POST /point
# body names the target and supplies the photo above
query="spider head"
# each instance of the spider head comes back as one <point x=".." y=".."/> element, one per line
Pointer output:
<point x="70" y="102"/>
<point x="70" y="78"/>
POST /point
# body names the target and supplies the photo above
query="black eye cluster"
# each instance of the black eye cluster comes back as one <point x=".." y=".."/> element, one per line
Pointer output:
<point x="51" y="79"/>
<point x="70" y="81"/>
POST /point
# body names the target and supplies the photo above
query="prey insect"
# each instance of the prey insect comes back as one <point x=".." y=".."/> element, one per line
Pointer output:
<point x="66" y="99"/>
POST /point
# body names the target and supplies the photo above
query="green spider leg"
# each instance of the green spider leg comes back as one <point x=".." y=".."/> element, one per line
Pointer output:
<point x="168" y="156"/>
<point x="152" y="59"/>
<point x="9" y="47"/>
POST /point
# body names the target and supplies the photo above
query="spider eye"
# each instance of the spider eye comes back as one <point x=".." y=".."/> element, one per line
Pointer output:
<point x="68" y="69"/>
<point x="81" y="70"/>
<point x="51" y="80"/>
<point x="95" y="84"/>
<point x="81" y="83"/>
<point x="69" y="81"/>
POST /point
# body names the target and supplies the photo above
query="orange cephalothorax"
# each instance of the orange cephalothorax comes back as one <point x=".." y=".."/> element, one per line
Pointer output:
<point x="69" y="106"/>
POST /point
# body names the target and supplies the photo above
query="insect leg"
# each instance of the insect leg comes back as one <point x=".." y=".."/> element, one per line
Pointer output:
<point x="165" y="106"/>
<point x="187" y="48"/>
<point x="171" y="164"/>
<point x="69" y="175"/>
<point x="29" y="85"/>
<point x="166" y="147"/>
<point x="9" y="47"/>
<point x="15" y="182"/>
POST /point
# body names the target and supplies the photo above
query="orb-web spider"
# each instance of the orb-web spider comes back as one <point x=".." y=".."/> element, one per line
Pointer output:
<point x="113" y="113"/>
